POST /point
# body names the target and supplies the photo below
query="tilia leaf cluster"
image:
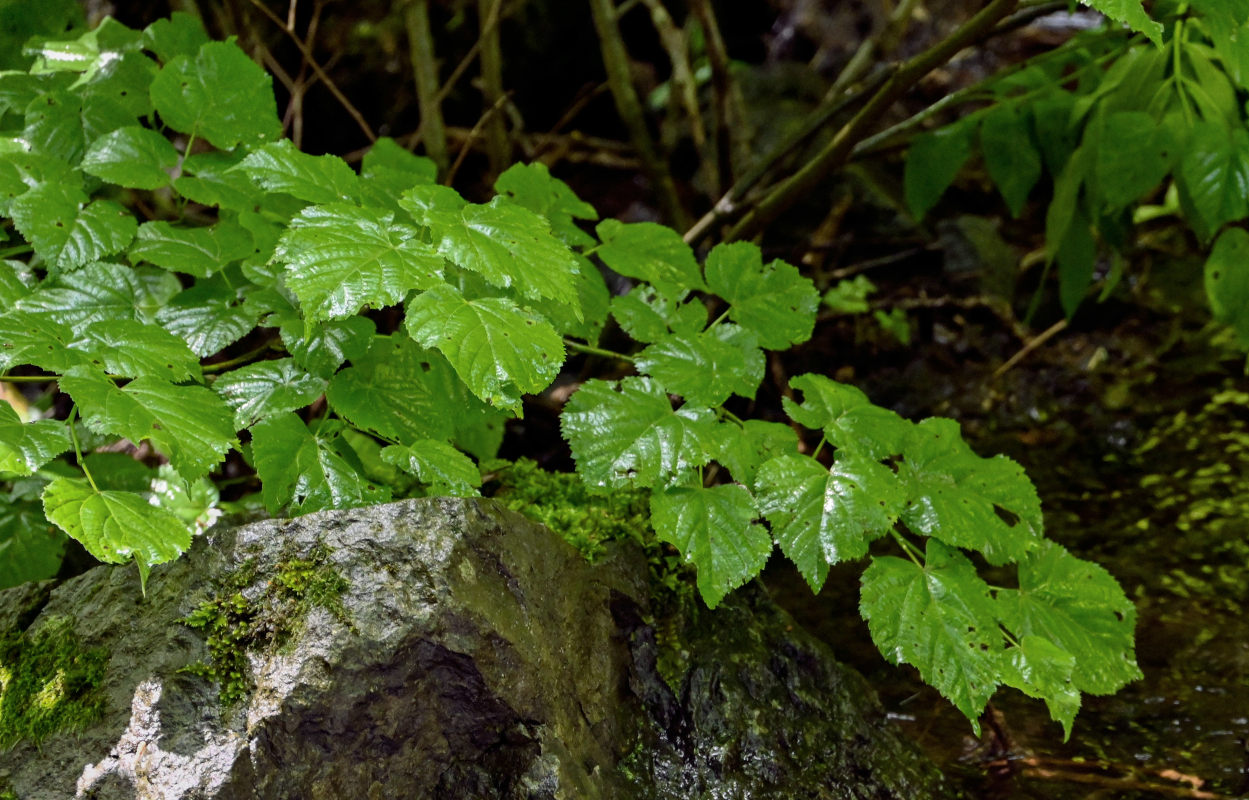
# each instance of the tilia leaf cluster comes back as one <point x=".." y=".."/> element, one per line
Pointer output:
<point x="380" y="329"/>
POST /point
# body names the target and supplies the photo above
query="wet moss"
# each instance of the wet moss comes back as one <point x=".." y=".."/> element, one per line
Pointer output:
<point x="243" y="618"/>
<point x="48" y="683"/>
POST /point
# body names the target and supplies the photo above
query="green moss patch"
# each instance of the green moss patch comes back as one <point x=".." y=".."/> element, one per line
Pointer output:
<point x="48" y="683"/>
<point x="235" y="624"/>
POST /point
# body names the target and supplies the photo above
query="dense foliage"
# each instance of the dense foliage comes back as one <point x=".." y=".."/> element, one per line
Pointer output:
<point x="381" y="328"/>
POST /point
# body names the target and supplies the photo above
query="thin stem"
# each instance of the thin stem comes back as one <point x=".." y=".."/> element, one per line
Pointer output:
<point x="491" y="113"/>
<point x="912" y="552"/>
<point x="73" y="435"/>
<point x="245" y="358"/>
<point x="596" y="351"/>
<point x="19" y="250"/>
<point x="29" y="378"/>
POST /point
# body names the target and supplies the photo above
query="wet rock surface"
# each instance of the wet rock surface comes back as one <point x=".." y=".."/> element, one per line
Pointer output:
<point x="470" y="654"/>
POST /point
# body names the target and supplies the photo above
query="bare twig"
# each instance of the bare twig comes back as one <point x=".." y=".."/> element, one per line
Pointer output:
<point x="673" y="40"/>
<point x="498" y="149"/>
<point x="1040" y="339"/>
<point x="425" y="69"/>
<point x="473" y="135"/>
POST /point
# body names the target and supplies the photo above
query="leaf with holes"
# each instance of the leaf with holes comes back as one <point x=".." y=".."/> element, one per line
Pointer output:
<point x="96" y="292"/>
<point x="499" y="350"/>
<point x="627" y="434"/>
<point x="130" y="348"/>
<point x="715" y="531"/>
<point x="939" y="618"/>
<point x="67" y="231"/>
<point x="39" y="340"/>
<point x="1039" y="668"/>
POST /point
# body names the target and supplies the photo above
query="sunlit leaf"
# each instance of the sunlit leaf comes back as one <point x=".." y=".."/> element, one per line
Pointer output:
<point x="27" y="446"/>
<point x="279" y="167"/>
<point x="302" y="470"/>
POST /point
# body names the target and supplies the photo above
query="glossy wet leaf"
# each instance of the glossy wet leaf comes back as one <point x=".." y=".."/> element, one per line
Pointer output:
<point x="116" y="526"/>
<point x="774" y="302"/>
<point x="1213" y="175"/>
<point x="823" y="516"/>
<point x="37" y="339"/>
<point x="742" y="449"/>
<point x="705" y="368"/>
<point x="321" y="347"/>
<point x="652" y="253"/>
<point x="1130" y="13"/>
<point x="626" y="433"/>
<point x="1039" y="668"/>
<point x="1081" y="609"/>
<point x="714" y="529"/>
<point x="208" y="317"/>
<point x="438" y="465"/>
<point x="498" y="349"/>
<point x="267" y="388"/>
<point x="340" y="258"/>
<point x="133" y="156"/>
<point x="67" y="231"/>
<point x="27" y="446"/>
<point x="940" y="619"/>
<point x="199" y="251"/>
<point x="303" y="471"/>
<point x="846" y="416"/>
<point x="176" y="35"/>
<point x="533" y="187"/>
<point x="279" y="167"/>
<point x="99" y="291"/>
<point x="131" y="348"/>
<point x="190" y="424"/>
<point x="648" y="316"/>
<point x="219" y="95"/>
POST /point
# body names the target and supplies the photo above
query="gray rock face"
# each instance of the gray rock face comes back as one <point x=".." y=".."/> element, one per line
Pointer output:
<point x="473" y="655"/>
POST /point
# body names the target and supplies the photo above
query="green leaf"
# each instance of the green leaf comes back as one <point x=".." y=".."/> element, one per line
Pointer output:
<point x="1227" y="281"/>
<point x="850" y="296"/>
<point x="437" y="464"/>
<point x="586" y="317"/>
<point x="1011" y="160"/>
<point x="208" y="317"/>
<point x="31" y="548"/>
<point x="134" y="157"/>
<point x="98" y="291"/>
<point x="27" y="338"/>
<point x="115" y="526"/>
<point x="189" y="424"/>
<point x="775" y="302"/>
<point x="220" y="95"/>
<point x="86" y="53"/>
<point x="398" y="390"/>
<point x="1213" y="175"/>
<point x="939" y="618"/>
<point x="824" y="516"/>
<point x="17" y="281"/>
<point x="531" y="186"/>
<point x="388" y="170"/>
<point x="1081" y="609"/>
<point x="625" y="433"/>
<point x="508" y="245"/>
<point x="340" y="258"/>
<point x="714" y="530"/>
<point x="267" y="388"/>
<point x="194" y="251"/>
<point x="21" y="21"/>
<point x="647" y="316"/>
<point x="1076" y="256"/>
<point x="1130" y="13"/>
<point x="1133" y="157"/>
<point x="130" y="348"/>
<point x="705" y="368"/>
<point x="180" y="34"/>
<point x="499" y="350"/>
<point x="652" y="253"/>
<point x="209" y="178"/>
<point x="27" y="446"/>
<point x="984" y="504"/>
<point x="321" y="347"/>
<point x="1066" y="201"/>
<point x="279" y="167"/>
<point x="933" y="162"/>
<point x="741" y="449"/>
<point x="1039" y="668"/>
<point x="303" y="470"/>
<point x="124" y="83"/>
<point x="847" y="418"/>
<point x="66" y="233"/>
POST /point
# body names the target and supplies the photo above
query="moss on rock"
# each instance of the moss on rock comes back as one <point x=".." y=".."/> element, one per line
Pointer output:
<point x="48" y="683"/>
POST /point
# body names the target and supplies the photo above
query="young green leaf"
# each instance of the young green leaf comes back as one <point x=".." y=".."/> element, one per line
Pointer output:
<point x="531" y="186"/>
<point x="933" y="162"/>
<point x="1039" y="668"/>
<point x="198" y="251"/>
<point x="743" y="448"/>
<point x="1011" y="160"/>
<point x="304" y="471"/>
<point x="267" y="388"/>
<point x="134" y="157"/>
<point x="705" y="368"/>
<point x="398" y="390"/>
<point x="321" y="347"/>
<point x="437" y="464"/>
<point x="647" y="316"/>
<point x="939" y="618"/>
<point x="651" y="253"/>
<point x="279" y="167"/>
<point x="847" y="417"/>
<point x="340" y="258"/>
<point x="67" y="233"/>
<point x="714" y="530"/>
<point x="115" y="526"/>
<point x="1076" y="256"/>
<point x="508" y="245"/>
<point x="220" y="95"/>
<point x="626" y="434"/>
<point x="27" y="446"/>
<point x="1227" y="280"/>
<point x="189" y="424"/>
<point x="130" y="348"/>
<point x="823" y="516"/>
<point x="1079" y="608"/>
<point x="499" y="350"/>
<point x="386" y="158"/>
<point x="775" y="302"/>
<point x="1130" y="13"/>
<point x="984" y="504"/>
<point x="180" y="34"/>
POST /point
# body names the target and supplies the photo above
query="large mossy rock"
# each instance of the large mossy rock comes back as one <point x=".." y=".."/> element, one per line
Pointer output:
<point x="445" y="649"/>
